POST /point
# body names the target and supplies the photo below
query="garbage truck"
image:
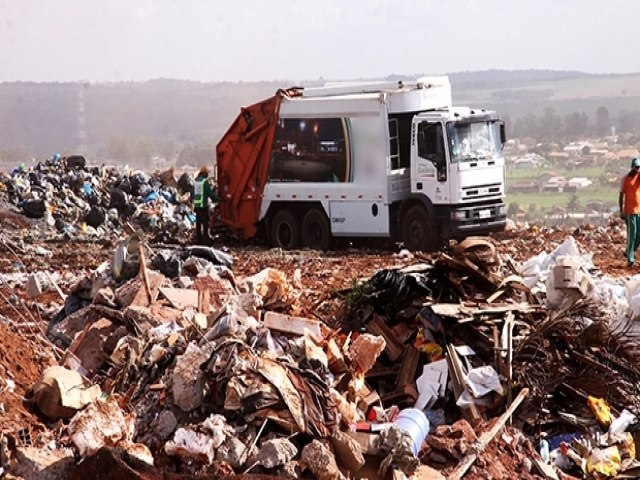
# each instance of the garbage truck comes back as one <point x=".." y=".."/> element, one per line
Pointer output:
<point x="390" y="159"/>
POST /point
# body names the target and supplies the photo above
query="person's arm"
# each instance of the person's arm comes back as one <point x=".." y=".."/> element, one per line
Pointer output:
<point x="621" y="198"/>
<point x="208" y="192"/>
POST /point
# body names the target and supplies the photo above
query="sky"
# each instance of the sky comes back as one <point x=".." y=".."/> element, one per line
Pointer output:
<point x="253" y="40"/>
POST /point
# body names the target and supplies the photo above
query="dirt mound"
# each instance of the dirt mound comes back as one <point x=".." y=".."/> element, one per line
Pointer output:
<point x="12" y="221"/>
<point x="21" y="364"/>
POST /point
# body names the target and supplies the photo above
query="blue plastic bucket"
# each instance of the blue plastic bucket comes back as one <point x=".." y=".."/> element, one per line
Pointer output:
<point x="414" y="422"/>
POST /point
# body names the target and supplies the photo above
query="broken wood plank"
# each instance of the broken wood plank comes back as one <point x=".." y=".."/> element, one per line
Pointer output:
<point x="382" y="372"/>
<point x="486" y="438"/>
<point x="408" y="367"/>
<point x="180" y="298"/>
<point x="293" y="325"/>
<point x="62" y="296"/>
<point x="336" y="359"/>
<point x="471" y="413"/>
<point x="394" y="347"/>
<point x="494" y="296"/>
<point x="143" y="271"/>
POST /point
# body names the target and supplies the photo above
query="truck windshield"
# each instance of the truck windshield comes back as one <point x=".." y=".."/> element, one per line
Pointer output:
<point x="470" y="141"/>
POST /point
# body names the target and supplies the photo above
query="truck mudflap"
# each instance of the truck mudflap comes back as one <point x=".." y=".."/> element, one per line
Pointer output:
<point x="477" y="219"/>
<point x="242" y="157"/>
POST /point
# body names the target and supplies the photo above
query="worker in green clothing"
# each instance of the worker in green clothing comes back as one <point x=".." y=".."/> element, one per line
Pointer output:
<point x="202" y="192"/>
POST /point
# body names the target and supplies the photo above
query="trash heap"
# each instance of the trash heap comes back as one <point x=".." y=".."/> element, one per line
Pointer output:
<point x="76" y="199"/>
<point x="465" y="365"/>
<point x="199" y="371"/>
<point x="467" y="332"/>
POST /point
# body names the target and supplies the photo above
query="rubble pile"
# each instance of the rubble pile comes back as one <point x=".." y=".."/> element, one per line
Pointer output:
<point x="170" y="363"/>
<point x="76" y="199"/>
<point x="466" y="332"/>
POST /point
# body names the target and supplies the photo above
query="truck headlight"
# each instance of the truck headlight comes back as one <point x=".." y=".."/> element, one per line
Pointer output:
<point x="502" y="210"/>
<point x="459" y="215"/>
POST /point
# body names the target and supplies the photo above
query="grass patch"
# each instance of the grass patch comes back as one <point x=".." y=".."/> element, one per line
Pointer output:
<point x="548" y="200"/>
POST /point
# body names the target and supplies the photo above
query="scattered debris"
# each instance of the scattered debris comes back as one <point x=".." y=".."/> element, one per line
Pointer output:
<point x="206" y="367"/>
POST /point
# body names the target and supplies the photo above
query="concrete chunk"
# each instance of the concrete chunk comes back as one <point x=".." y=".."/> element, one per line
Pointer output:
<point x="276" y="453"/>
<point x="348" y="451"/>
<point x="33" y="286"/>
<point x="365" y="350"/>
<point x="318" y="458"/>
<point x="188" y="379"/>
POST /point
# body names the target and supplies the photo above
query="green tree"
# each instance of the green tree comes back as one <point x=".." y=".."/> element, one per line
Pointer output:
<point x="527" y="126"/>
<point x="603" y="123"/>
<point x="576" y="124"/>
<point x="628" y="121"/>
<point x="574" y="203"/>
<point x="550" y="124"/>
<point x="533" y="214"/>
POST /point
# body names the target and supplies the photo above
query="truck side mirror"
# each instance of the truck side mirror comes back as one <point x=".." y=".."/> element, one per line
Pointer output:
<point x="503" y="134"/>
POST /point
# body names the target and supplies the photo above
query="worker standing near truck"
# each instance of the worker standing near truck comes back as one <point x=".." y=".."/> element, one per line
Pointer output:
<point x="202" y="192"/>
<point x="629" y="203"/>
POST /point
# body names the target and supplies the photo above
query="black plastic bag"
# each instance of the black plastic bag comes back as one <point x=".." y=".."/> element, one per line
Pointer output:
<point x="185" y="183"/>
<point x="168" y="263"/>
<point x="34" y="208"/>
<point x="214" y="256"/>
<point x="95" y="217"/>
<point x="76" y="162"/>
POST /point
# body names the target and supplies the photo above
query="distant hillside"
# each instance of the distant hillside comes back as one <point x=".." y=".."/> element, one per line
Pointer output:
<point x="164" y="116"/>
<point x="498" y="78"/>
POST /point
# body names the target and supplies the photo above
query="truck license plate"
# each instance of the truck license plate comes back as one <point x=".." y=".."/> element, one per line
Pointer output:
<point x="484" y="213"/>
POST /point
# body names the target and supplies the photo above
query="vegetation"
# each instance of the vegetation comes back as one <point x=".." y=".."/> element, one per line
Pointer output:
<point x="358" y="293"/>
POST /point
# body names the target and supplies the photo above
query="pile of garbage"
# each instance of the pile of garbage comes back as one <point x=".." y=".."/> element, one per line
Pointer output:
<point x="466" y="332"/>
<point x="76" y="199"/>
<point x="466" y="364"/>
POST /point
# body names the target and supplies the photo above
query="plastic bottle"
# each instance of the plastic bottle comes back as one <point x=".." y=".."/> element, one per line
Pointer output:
<point x="544" y="450"/>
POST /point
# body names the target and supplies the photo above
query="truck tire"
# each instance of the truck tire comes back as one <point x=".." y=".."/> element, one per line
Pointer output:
<point x="316" y="231"/>
<point x="284" y="230"/>
<point x="418" y="233"/>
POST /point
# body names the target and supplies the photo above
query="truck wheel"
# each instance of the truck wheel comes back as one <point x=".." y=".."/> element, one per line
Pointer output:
<point x="316" y="232"/>
<point x="284" y="230"/>
<point x="417" y="230"/>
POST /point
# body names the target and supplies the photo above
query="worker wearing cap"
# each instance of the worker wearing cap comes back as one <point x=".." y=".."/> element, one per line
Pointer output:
<point x="202" y="192"/>
<point x="629" y="203"/>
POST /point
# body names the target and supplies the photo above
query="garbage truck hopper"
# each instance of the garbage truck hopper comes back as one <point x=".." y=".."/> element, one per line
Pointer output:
<point x="243" y="156"/>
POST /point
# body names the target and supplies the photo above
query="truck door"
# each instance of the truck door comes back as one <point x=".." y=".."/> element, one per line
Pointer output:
<point x="429" y="169"/>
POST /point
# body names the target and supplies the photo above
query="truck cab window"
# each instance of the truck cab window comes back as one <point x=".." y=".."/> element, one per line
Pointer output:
<point x="431" y="146"/>
<point x="431" y="142"/>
